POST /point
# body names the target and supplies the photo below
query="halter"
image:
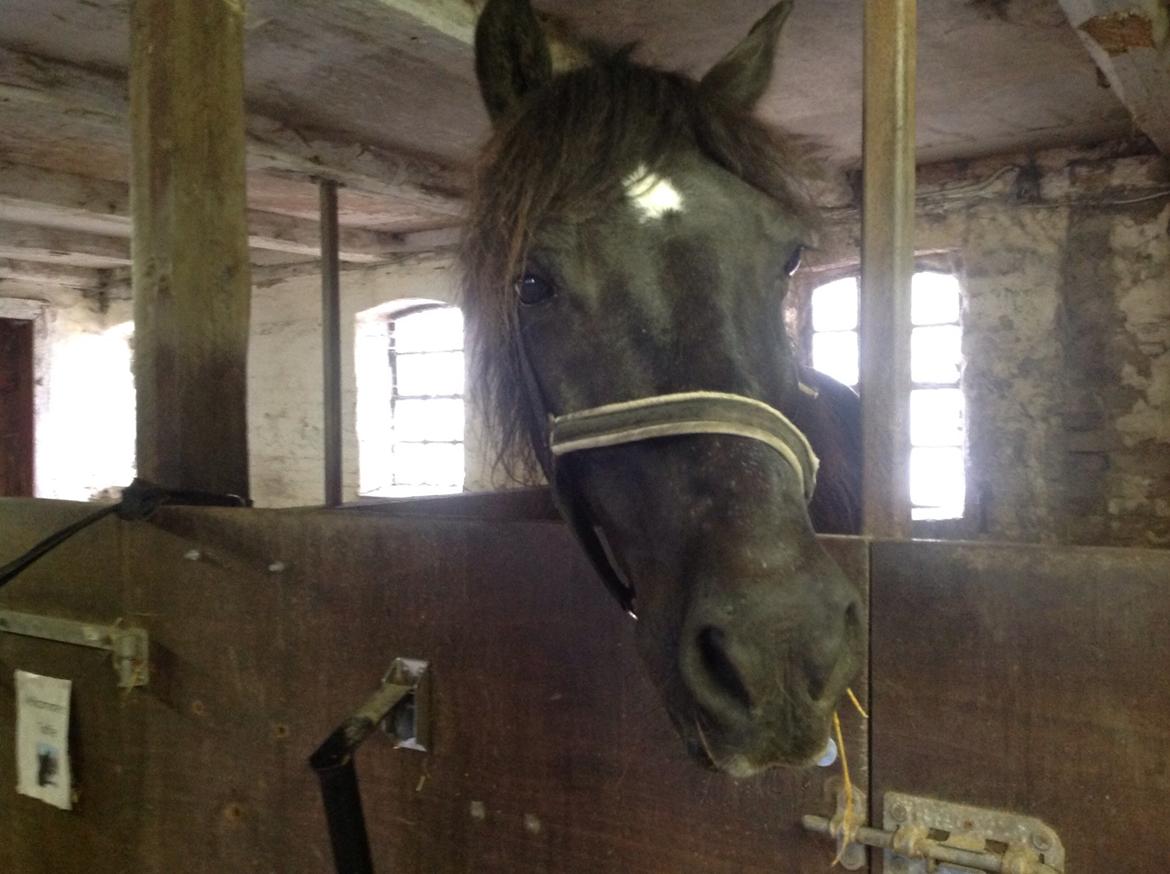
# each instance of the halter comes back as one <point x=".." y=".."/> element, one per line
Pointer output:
<point x="651" y="418"/>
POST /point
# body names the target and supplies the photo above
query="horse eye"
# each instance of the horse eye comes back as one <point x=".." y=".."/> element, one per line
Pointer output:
<point x="532" y="289"/>
<point x="793" y="262"/>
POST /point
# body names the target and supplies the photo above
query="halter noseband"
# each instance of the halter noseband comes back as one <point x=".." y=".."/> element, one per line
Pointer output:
<point x="650" y="418"/>
<point x="692" y="412"/>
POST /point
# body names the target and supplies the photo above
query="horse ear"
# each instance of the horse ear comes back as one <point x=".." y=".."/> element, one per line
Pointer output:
<point x="741" y="78"/>
<point x="511" y="55"/>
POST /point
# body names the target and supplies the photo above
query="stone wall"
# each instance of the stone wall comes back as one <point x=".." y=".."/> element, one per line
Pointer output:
<point x="1065" y="264"/>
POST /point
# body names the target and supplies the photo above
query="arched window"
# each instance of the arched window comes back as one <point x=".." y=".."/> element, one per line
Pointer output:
<point x="410" y="413"/>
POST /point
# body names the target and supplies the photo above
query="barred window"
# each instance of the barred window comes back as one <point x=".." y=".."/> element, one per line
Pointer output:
<point x="415" y="445"/>
<point x="937" y="410"/>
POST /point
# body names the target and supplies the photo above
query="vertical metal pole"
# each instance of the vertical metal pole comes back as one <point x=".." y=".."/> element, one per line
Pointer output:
<point x="331" y="340"/>
<point x="887" y="263"/>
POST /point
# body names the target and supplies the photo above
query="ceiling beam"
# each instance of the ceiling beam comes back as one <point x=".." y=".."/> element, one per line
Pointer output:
<point x="31" y="195"/>
<point x="58" y="246"/>
<point x="28" y="81"/>
<point x="85" y="278"/>
<point x="115" y="284"/>
<point x="1128" y="41"/>
<point x="456" y="19"/>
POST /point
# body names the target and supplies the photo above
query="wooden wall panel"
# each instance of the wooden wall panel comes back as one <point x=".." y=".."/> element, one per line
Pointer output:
<point x="81" y="580"/>
<point x="551" y="751"/>
<point x="1032" y="679"/>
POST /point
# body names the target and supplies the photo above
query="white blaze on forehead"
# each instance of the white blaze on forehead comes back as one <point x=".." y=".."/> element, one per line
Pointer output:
<point x="652" y="194"/>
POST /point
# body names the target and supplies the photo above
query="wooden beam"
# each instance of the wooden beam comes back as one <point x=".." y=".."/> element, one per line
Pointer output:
<point x="266" y="277"/>
<point x="887" y="263"/>
<point x="57" y="246"/>
<point x="296" y="236"/>
<point x="84" y="278"/>
<point x="99" y="99"/>
<point x="116" y="284"/>
<point x="456" y="19"/>
<point x="192" y="288"/>
<point x="25" y="189"/>
<point x="32" y="195"/>
<point x="1128" y="40"/>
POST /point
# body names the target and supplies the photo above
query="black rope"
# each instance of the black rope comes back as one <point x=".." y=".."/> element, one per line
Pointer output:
<point x="139" y="501"/>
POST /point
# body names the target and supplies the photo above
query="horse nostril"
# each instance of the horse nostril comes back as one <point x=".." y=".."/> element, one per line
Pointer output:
<point x="712" y="643"/>
<point x="818" y="673"/>
<point x="852" y="619"/>
<point x="816" y="684"/>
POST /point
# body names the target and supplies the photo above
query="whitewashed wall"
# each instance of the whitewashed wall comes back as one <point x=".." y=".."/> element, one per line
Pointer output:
<point x="285" y="377"/>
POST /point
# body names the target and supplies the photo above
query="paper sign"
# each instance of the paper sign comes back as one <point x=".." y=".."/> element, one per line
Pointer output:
<point x="42" y="739"/>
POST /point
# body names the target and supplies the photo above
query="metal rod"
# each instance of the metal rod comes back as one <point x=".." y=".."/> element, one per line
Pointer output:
<point x="331" y="339"/>
<point x="887" y="263"/>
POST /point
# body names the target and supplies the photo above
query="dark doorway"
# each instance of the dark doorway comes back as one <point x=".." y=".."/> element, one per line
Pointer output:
<point x="16" y="408"/>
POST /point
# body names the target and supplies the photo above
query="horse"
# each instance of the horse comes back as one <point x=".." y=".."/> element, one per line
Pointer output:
<point x="629" y="242"/>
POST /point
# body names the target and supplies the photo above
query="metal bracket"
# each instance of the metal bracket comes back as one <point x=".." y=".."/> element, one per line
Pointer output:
<point x="965" y="839"/>
<point x="409" y="722"/>
<point x="130" y="647"/>
<point x="924" y="836"/>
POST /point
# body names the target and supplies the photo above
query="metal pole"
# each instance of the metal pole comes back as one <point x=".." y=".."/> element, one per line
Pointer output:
<point x="331" y="339"/>
<point x="887" y="263"/>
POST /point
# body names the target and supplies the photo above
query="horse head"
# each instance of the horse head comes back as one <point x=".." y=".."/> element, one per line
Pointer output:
<point x="630" y="241"/>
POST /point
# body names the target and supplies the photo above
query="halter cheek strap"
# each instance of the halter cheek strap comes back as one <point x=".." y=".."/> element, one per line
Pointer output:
<point x="651" y="418"/>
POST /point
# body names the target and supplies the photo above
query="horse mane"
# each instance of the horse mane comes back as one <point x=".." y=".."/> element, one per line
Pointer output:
<point x="832" y="423"/>
<point x="563" y="155"/>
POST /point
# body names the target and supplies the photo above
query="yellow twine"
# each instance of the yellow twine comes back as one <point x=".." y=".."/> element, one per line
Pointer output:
<point x="857" y="704"/>
<point x="847" y="831"/>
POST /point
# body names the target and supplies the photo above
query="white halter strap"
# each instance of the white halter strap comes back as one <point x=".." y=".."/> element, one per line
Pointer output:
<point x="685" y="413"/>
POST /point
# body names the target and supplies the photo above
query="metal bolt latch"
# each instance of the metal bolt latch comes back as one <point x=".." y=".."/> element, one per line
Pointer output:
<point x="921" y="834"/>
<point x="129" y="648"/>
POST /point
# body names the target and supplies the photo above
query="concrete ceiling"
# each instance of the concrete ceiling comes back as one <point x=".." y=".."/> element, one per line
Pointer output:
<point x="381" y="94"/>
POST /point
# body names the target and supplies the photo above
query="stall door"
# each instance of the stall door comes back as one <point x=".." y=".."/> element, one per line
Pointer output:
<point x="16" y="408"/>
<point x="1031" y="679"/>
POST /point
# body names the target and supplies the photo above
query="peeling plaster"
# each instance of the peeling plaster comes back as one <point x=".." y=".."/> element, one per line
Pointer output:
<point x="1121" y="31"/>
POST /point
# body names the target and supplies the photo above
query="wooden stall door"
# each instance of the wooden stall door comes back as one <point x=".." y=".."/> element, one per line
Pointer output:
<point x="552" y="752"/>
<point x="16" y="408"/>
<point x="1032" y="679"/>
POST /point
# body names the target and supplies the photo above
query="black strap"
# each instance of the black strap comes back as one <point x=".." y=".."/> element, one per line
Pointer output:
<point x="565" y="498"/>
<point x="563" y="493"/>
<point x="139" y="501"/>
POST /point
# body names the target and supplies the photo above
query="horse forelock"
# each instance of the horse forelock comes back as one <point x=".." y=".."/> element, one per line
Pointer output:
<point x="564" y="155"/>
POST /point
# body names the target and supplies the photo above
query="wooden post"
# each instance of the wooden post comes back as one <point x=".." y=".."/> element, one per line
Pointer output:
<point x="191" y="270"/>
<point x="887" y="263"/>
<point x="331" y="340"/>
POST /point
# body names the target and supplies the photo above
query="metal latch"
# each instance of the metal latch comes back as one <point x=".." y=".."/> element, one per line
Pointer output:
<point x="921" y="835"/>
<point x="409" y="721"/>
<point x="130" y="647"/>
